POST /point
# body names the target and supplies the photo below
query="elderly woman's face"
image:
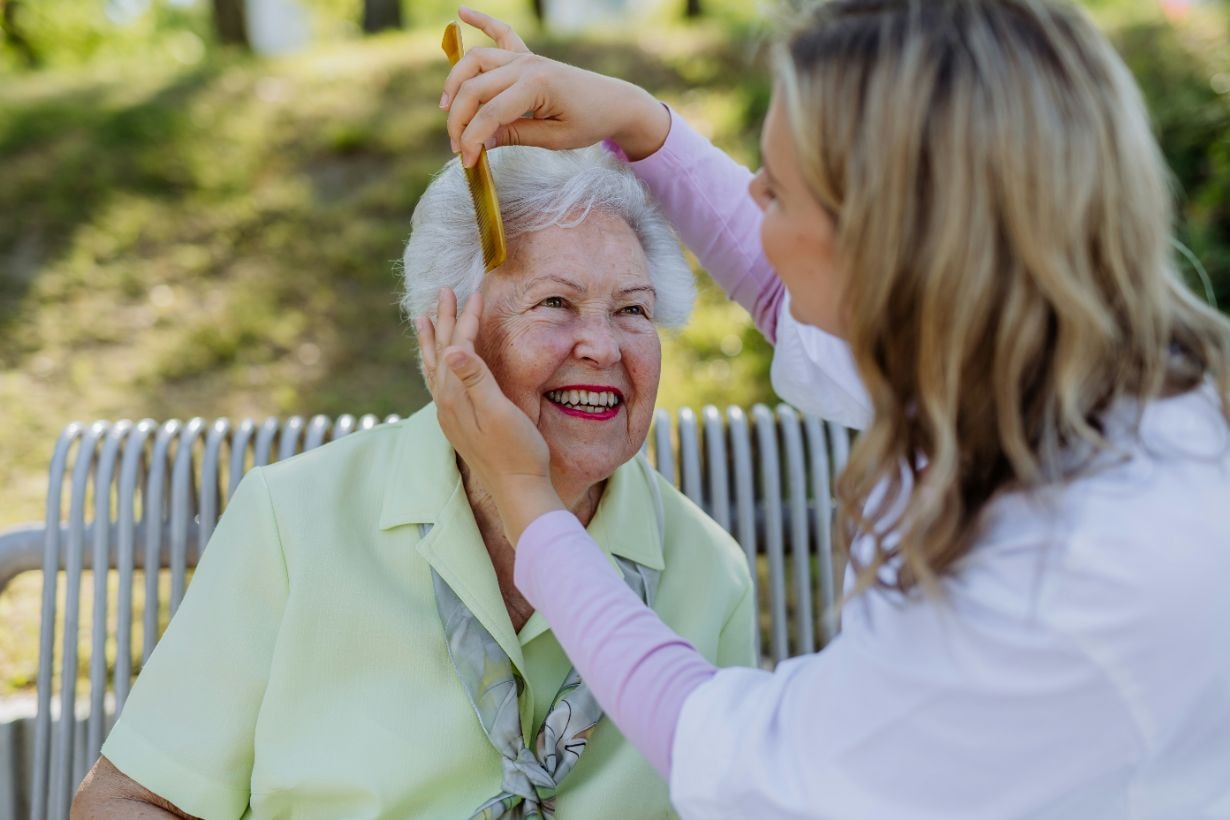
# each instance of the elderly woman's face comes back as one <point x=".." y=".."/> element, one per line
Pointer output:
<point x="568" y="332"/>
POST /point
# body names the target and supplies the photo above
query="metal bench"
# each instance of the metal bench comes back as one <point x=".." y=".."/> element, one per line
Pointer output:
<point x="131" y="496"/>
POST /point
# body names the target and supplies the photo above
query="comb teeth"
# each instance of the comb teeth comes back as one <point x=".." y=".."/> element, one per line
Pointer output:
<point x="487" y="212"/>
<point x="482" y="184"/>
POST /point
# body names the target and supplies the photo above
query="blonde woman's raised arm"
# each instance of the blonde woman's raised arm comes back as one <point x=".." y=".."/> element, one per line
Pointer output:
<point x="509" y="96"/>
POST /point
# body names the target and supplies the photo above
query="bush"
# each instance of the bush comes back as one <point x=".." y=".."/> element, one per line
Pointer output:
<point x="1186" y="91"/>
<point x="48" y="33"/>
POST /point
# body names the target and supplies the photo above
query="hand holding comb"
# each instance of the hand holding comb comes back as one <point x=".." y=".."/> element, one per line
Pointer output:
<point x="482" y="186"/>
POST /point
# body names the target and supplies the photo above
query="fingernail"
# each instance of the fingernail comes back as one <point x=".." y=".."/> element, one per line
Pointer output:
<point x="444" y="100"/>
<point x="455" y="359"/>
<point x="453" y="144"/>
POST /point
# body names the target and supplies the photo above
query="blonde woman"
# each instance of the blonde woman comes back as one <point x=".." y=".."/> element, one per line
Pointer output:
<point x="961" y="237"/>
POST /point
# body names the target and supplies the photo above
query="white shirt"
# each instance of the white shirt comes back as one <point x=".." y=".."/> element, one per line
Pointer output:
<point x="1076" y="667"/>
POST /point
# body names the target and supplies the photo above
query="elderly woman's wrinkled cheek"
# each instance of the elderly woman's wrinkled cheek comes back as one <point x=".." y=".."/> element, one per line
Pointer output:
<point x="524" y="352"/>
<point x="644" y="364"/>
<point x="588" y="447"/>
<point x="539" y="360"/>
<point x="641" y="365"/>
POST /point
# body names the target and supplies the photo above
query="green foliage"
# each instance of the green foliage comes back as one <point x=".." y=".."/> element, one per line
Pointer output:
<point x="68" y="33"/>
<point x="189" y="231"/>
<point x="219" y="238"/>
<point x="1186" y="84"/>
<point x="719" y="358"/>
<point x="185" y="232"/>
<point x="187" y="227"/>
<point x="74" y="32"/>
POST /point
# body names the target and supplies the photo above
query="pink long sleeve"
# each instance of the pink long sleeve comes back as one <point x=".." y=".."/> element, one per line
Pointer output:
<point x="639" y="670"/>
<point x="703" y="193"/>
<point x="637" y="667"/>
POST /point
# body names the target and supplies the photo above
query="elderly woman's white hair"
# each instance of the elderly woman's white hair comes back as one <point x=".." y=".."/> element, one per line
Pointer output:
<point x="538" y="189"/>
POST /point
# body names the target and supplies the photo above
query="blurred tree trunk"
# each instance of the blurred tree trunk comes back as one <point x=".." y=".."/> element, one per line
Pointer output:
<point x="692" y="9"/>
<point x="379" y="15"/>
<point x="10" y="26"/>
<point x="539" y="12"/>
<point x="231" y="23"/>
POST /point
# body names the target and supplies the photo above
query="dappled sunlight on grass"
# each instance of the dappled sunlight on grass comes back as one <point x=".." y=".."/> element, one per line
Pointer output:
<point x="221" y="239"/>
<point x="201" y="233"/>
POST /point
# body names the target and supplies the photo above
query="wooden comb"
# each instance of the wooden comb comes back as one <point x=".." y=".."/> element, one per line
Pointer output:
<point x="482" y="186"/>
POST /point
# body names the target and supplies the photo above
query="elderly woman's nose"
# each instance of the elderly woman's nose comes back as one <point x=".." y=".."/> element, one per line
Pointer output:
<point x="598" y="341"/>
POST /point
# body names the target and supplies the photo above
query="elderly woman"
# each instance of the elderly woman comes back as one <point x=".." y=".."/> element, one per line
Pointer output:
<point x="352" y="644"/>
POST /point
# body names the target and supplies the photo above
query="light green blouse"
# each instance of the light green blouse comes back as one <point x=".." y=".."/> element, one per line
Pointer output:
<point x="306" y="674"/>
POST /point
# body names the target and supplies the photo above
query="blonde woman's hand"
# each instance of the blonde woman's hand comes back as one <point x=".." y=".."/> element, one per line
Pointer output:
<point x="499" y="444"/>
<point x="509" y="96"/>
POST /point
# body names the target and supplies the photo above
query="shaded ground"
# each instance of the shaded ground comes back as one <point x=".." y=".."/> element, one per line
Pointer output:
<point x="221" y="239"/>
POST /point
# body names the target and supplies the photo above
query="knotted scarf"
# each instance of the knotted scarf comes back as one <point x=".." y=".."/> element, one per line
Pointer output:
<point x="530" y="776"/>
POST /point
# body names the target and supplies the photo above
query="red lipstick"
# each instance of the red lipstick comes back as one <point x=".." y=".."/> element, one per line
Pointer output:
<point x="603" y="415"/>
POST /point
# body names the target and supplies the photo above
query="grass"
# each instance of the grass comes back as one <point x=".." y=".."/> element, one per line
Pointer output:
<point x="218" y="239"/>
<point x="195" y="233"/>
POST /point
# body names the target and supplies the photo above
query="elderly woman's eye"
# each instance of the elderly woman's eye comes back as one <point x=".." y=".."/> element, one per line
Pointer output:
<point x="552" y="302"/>
<point x="634" y="310"/>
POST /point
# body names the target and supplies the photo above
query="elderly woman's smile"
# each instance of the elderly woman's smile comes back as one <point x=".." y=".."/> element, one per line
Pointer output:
<point x="392" y="535"/>
<point x="570" y="321"/>
<point x="568" y="331"/>
<point x="587" y="401"/>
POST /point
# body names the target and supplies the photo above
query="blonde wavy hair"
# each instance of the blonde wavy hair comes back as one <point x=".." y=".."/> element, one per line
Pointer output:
<point x="1005" y="223"/>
